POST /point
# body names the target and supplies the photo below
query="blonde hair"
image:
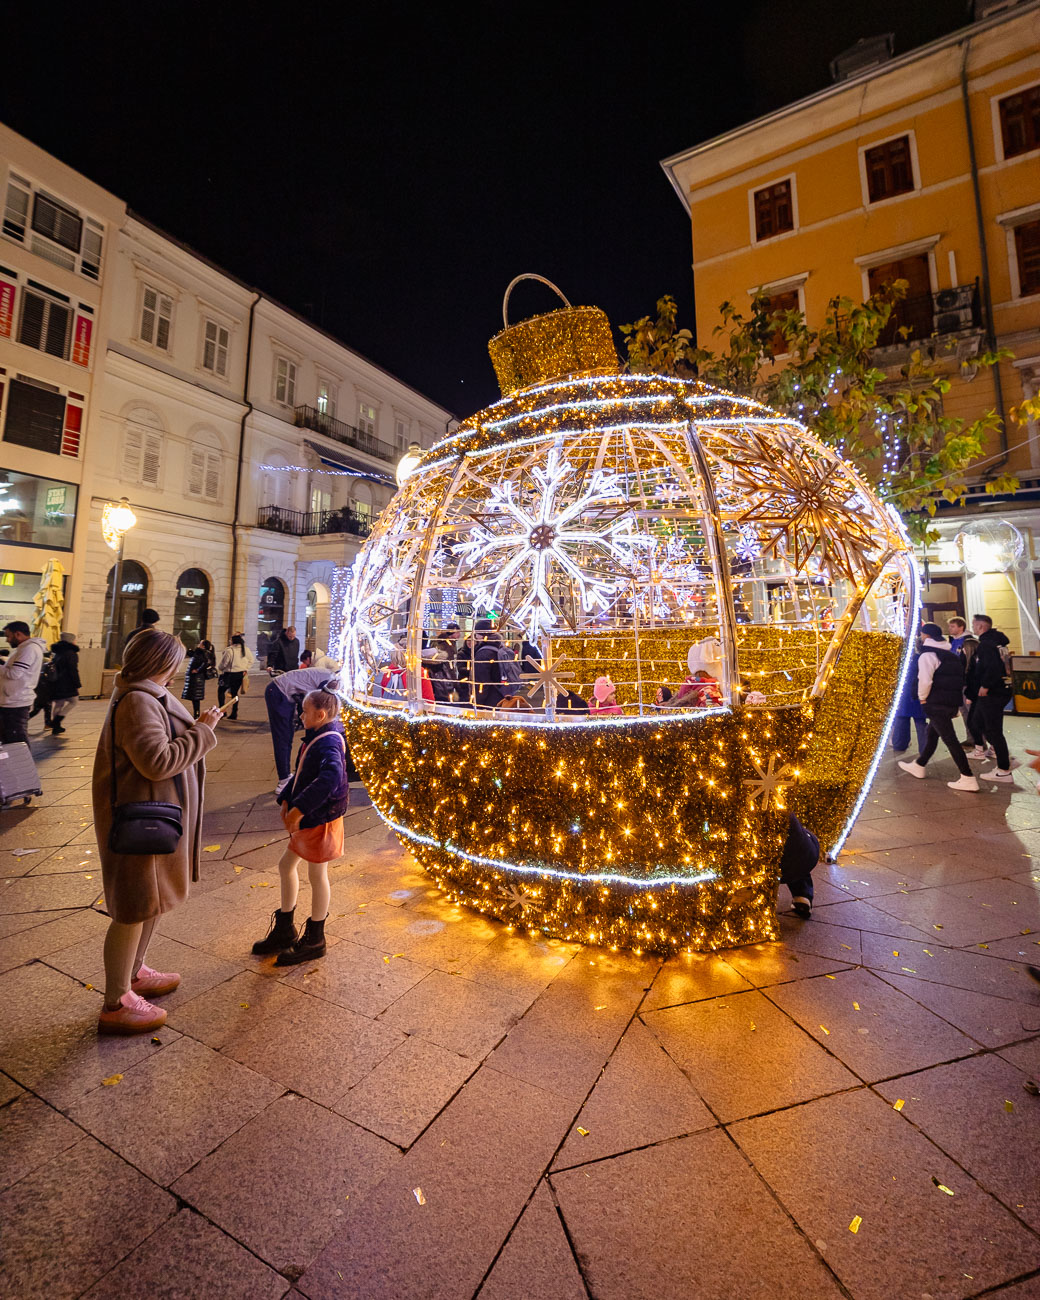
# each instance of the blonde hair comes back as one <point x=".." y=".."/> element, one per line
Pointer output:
<point x="150" y="654"/>
<point x="324" y="700"/>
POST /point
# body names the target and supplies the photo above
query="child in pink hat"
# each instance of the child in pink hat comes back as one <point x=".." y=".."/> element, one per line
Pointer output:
<point x="604" y="699"/>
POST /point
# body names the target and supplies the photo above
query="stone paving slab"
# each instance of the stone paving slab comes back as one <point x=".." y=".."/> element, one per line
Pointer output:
<point x="436" y="1051"/>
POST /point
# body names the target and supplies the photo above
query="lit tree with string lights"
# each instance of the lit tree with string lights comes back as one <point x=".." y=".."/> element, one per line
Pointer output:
<point x="892" y="427"/>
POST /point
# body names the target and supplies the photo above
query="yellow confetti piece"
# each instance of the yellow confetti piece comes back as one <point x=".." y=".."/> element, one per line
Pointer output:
<point x="88" y="986"/>
<point x="830" y="977"/>
<point x="942" y="1187"/>
<point x="936" y="927"/>
<point x="894" y="953"/>
<point x="1009" y="1107"/>
<point x="928" y="953"/>
<point x="157" y="1041"/>
<point x="112" y="1080"/>
<point x="898" y="1105"/>
<point x="387" y="960"/>
<point x="584" y="1132"/>
<point x="86" y="877"/>
<point x="417" y="1192"/>
<point x="855" y="1006"/>
<point x="854" y="1226"/>
<point x="602" y="1007"/>
<point x="244" y="1006"/>
<point x="909" y="970"/>
<point x="239" y="870"/>
<point x="825" y="1030"/>
<point x="211" y="848"/>
<point x="983" y="945"/>
<point x="847" y="947"/>
<point x="753" y="1026"/>
<point x="265" y="884"/>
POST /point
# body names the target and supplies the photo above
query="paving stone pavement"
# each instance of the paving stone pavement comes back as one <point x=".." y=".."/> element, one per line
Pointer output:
<point x="443" y="1108"/>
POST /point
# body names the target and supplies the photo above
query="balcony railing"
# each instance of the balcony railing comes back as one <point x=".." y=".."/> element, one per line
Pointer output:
<point x="933" y="315"/>
<point x="309" y="417"/>
<point x="313" y="523"/>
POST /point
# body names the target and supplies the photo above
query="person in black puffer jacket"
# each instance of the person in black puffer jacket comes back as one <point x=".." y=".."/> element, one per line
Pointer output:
<point x="989" y="687"/>
<point x="940" y="688"/>
<point x="63" y="680"/>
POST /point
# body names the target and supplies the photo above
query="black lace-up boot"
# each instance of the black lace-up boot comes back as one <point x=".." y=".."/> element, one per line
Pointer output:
<point x="308" y="946"/>
<point x="280" y="936"/>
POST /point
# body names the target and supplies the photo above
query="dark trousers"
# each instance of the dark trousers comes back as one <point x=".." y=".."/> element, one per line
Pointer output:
<point x="229" y="684"/>
<point x="970" y="714"/>
<point x="940" y="727"/>
<point x="901" y="733"/>
<point x="14" y="726"/>
<point x="989" y="712"/>
<point x="281" y="713"/>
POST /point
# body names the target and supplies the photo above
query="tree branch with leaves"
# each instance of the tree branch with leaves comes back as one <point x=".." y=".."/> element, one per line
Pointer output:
<point x="887" y="421"/>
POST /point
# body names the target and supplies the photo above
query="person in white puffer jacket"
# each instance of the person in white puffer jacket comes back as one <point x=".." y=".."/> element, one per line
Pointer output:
<point x="18" y="679"/>
<point x="235" y="662"/>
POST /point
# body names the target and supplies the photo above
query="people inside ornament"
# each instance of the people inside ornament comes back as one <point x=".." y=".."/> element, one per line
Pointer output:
<point x="604" y="699"/>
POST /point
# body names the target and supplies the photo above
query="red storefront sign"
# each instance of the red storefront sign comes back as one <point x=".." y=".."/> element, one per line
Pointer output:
<point x="81" y="341"/>
<point x="7" y="292"/>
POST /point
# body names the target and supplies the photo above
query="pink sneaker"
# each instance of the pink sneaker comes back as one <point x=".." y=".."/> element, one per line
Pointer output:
<point x="133" y="1016"/>
<point x="153" y="983"/>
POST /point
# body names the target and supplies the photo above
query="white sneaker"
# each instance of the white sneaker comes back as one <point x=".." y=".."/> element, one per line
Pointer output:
<point x="998" y="775"/>
<point x="281" y="786"/>
<point x="914" y="768"/>
<point x="966" y="783"/>
<point x="978" y="752"/>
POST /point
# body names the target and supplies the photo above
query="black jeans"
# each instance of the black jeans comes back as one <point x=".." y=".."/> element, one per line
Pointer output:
<point x="14" y="726"/>
<point x="971" y="722"/>
<point x="940" y="727"/>
<point x="229" y="684"/>
<point x="989" y="713"/>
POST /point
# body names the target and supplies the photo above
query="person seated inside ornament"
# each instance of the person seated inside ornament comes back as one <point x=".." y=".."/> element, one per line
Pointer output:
<point x="701" y="689"/>
<point x="604" y="698"/>
<point x="393" y="684"/>
<point x="663" y="697"/>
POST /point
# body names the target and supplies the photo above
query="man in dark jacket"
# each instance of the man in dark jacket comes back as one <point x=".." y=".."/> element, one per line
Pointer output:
<point x="940" y="688"/>
<point x="487" y="672"/>
<point x="284" y="651"/>
<point x="149" y="619"/>
<point x="989" y="685"/>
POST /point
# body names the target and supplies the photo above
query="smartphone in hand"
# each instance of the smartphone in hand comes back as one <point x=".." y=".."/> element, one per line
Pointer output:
<point x="229" y="705"/>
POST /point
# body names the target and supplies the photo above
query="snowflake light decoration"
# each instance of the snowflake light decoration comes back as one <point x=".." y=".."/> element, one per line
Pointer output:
<point x="526" y="545"/>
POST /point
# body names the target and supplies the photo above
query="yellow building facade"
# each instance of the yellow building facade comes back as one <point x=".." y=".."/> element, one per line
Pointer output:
<point x="924" y="167"/>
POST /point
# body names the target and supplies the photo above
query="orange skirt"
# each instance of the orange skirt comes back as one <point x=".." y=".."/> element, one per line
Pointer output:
<point x="318" y="843"/>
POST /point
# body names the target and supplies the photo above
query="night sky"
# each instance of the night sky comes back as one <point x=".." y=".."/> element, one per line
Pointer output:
<point x="387" y="169"/>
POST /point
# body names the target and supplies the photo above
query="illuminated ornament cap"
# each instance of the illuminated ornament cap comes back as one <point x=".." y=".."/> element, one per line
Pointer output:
<point x="570" y="342"/>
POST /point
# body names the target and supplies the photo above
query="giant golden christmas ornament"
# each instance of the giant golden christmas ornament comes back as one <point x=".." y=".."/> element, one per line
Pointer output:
<point x="649" y="530"/>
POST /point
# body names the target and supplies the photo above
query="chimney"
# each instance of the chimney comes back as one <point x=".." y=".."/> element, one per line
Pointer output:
<point x="868" y="52"/>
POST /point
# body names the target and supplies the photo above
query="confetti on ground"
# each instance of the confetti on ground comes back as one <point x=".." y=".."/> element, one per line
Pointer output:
<point x="909" y="970"/>
<point x="244" y="1006"/>
<point x="898" y="1105"/>
<point x="753" y="1026"/>
<point x="847" y="947"/>
<point x="88" y="986"/>
<point x="111" y="1081"/>
<point x="211" y="848"/>
<point x="1009" y="1107"/>
<point x="825" y="1030"/>
<point x="417" y="1192"/>
<point x="983" y="945"/>
<point x="584" y="1132"/>
<point x="936" y="927"/>
<point x="602" y="1007"/>
<point x="855" y="1006"/>
<point x="894" y="953"/>
<point x="942" y="1186"/>
<point x="855" y="1224"/>
<point x="927" y="953"/>
<point x="157" y="1041"/>
<point x="239" y="870"/>
<point x="830" y="977"/>
<point x="86" y="877"/>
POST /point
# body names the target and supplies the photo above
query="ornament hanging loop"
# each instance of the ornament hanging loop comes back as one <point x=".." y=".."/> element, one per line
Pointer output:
<point x="528" y="276"/>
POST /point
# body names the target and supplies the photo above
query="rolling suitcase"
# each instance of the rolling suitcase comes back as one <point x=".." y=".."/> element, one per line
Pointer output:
<point x="18" y="776"/>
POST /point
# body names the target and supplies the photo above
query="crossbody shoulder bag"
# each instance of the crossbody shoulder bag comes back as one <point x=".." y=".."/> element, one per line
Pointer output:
<point x="146" y="827"/>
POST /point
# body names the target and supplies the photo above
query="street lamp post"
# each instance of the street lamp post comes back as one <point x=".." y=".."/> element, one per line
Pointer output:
<point x="116" y="521"/>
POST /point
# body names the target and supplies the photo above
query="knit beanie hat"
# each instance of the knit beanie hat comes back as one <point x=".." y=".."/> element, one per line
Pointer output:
<point x="603" y="689"/>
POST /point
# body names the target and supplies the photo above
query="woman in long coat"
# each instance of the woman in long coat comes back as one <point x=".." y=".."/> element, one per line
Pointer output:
<point x="195" y="677"/>
<point x="159" y="755"/>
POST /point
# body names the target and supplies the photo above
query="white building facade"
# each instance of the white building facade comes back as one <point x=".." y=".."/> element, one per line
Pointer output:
<point x="255" y="449"/>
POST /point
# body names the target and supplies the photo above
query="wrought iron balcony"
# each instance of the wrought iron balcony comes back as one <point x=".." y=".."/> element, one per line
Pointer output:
<point x="309" y="417"/>
<point x="933" y="316"/>
<point x="313" y="523"/>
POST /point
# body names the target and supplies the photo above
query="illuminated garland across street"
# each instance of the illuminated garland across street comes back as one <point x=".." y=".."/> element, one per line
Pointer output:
<point x="659" y="533"/>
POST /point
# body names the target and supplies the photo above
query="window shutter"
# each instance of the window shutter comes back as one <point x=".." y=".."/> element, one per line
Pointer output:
<point x="33" y="311"/>
<point x="150" y="459"/>
<point x="213" y="459"/>
<point x="90" y="262"/>
<point x="132" y="456"/>
<point x="59" y="321"/>
<point x="162" y="329"/>
<point x="56" y="222"/>
<point x="148" y="316"/>
<point x="196" y="471"/>
<point x="17" y="210"/>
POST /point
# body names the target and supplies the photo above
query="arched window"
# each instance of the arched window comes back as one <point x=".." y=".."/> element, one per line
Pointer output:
<point x="131" y="600"/>
<point x="271" y="615"/>
<point x="191" y="608"/>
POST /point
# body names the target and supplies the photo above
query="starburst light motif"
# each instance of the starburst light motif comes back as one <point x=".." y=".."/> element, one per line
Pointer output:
<point x="769" y="784"/>
<point x="515" y="897"/>
<point x="553" y="536"/>
<point x="548" y="680"/>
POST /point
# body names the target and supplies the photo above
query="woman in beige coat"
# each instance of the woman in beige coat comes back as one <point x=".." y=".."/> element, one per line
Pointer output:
<point x="150" y="765"/>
